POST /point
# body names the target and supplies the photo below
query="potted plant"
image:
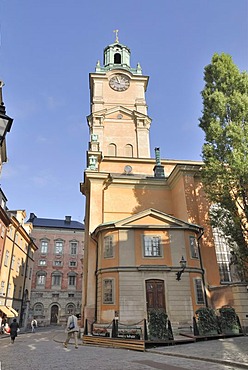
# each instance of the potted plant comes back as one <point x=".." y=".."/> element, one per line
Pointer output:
<point x="228" y="320"/>
<point x="158" y="324"/>
<point x="206" y="321"/>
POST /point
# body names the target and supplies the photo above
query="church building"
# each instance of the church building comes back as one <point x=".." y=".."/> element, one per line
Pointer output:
<point x="148" y="242"/>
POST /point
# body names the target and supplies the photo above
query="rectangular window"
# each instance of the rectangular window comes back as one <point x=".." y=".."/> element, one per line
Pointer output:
<point x="2" y="287"/>
<point x="55" y="295"/>
<point x="108" y="297"/>
<point x="108" y="248"/>
<point x="6" y="259"/>
<point x="73" y="248"/>
<point x="9" y="290"/>
<point x="72" y="280"/>
<point x="30" y="273"/>
<point x="12" y="263"/>
<point x="72" y="263"/>
<point x="42" y="263"/>
<point x="2" y="231"/>
<point x="56" y="280"/>
<point x="58" y="247"/>
<point x="152" y="246"/>
<point x="41" y="279"/>
<point x="57" y="263"/>
<point x="18" y="265"/>
<point x="44" y="247"/>
<point x="193" y="247"/>
<point x="199" y="291"/>
<point x="71" y="295"/>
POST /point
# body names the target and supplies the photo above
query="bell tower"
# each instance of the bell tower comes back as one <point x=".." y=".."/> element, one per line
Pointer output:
<point x="118" y="123"/>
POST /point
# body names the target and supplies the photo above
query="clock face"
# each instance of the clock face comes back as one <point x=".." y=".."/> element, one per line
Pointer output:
<point x="119" y="82"/>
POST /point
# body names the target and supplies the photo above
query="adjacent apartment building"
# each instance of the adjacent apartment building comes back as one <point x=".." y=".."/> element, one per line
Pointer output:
<point x="57" y="275"/>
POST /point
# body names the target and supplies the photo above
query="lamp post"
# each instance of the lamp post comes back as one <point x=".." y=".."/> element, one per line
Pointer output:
<point x="183" y="264"/>
<point x="5" y="121"/>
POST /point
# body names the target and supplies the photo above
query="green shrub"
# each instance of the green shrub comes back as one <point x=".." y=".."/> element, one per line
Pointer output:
<point x="157" y="324"/>
<point x="206" y="320"/>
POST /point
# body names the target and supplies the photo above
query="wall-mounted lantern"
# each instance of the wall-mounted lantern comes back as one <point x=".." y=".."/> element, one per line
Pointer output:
<point x="183" y="264"/>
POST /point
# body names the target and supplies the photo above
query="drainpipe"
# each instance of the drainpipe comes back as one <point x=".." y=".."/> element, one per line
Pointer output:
<point x="201" y="264"/>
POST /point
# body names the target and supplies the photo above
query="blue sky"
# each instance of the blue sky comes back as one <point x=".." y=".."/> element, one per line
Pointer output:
<point x="49" y="47"/>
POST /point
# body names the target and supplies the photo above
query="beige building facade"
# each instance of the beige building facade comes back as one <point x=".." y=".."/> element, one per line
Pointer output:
<point x="144" y="216"/>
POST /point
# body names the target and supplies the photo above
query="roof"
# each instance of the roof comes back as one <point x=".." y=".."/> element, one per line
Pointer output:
<point x="67" y="223"/>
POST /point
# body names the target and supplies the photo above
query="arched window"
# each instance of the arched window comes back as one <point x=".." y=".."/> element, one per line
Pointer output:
<point x="70" y="308"/>
<point x="38" y="309"/>
<point x="128" y="150"/>
<point x="40" y="278"/>
<point x="117" y="58"/>
<point x="112" y="150"/>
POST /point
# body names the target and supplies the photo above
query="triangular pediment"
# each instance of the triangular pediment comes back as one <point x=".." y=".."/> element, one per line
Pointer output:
<point x="150" y="218"/>
<point x="113" y="113"/>
<point x="153" y="218"/>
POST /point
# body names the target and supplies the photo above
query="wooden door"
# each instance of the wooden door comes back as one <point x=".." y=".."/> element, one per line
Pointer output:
<point x="54" y="314"/>
<point x="155" y="294"/>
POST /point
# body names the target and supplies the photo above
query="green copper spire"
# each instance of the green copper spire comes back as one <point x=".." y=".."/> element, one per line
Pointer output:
<point x="117" y="56"/>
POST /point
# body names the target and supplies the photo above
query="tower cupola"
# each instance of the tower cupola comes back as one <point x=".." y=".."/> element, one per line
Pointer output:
<point x="117" y="56"/>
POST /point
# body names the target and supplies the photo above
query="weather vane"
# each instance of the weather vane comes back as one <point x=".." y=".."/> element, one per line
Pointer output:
<point x="116" y="35"/>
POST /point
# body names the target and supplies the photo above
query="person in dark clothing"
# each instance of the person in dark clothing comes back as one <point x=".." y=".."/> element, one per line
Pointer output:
<point x="14" y="326"/>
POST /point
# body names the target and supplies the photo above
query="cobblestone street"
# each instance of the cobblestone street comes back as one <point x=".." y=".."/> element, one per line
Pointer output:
<point x="43" y="350"/>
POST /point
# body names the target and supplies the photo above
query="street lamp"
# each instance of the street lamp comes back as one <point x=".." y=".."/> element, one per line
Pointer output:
<point x="183" y="263"/>
<point x="5" y="121"/>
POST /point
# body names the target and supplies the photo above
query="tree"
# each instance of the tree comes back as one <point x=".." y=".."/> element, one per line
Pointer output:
<point x="225" y="150"/>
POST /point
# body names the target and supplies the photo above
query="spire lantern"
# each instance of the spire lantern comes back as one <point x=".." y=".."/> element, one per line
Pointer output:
<point x="117" y="56"/>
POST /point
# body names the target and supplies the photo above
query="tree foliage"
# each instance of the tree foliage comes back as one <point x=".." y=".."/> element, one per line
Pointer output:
<point x="225" y="150"/>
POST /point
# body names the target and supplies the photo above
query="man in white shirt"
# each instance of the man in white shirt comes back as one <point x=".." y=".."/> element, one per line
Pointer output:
<point x="72" y="329"/>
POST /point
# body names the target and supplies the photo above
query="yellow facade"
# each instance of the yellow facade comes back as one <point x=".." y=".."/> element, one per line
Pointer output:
<point x="17" y="265"/>
<point x="142" y="214"/>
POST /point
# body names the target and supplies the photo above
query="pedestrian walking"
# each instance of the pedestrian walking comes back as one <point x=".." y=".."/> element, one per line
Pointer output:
<point x="34" y="325"/>
<point x="14" y="327"/>
<point x="72" y="329"/>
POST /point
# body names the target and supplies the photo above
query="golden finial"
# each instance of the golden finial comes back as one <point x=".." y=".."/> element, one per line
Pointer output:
<point x="116" y="35"/>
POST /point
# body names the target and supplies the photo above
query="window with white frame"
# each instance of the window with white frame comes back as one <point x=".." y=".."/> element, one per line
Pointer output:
<point x="43" y="246"/>
<point x="2" y="231"/>
<point x="56" y="278"/>
<point x="41" y="278"/>
<point x="6" y="259"/>
<point x="58" y="263"/>
<point x="193" y="247"/>
<point x="222" y="251"/>
<point x="108" y="247"/>
<point x="73" y="248"/>
<point x="199" y="291"/>
<point x="42" y="262"/>
<point x="58" y="247"/>
<point x="9" y="290"/>
<point x="18" y="265"/>
<point x="108" y="291"/>
<point x="152" y="246"/>
<point x="12" y="262"/>
<point x="72" y="263"/>
<point x="2" y="287"/>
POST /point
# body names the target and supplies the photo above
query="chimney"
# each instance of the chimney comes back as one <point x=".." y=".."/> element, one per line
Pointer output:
<point x="67" y="219"/>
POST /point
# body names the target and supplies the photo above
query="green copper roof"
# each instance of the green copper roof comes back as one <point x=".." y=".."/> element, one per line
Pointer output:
<point x="117" y="56"/>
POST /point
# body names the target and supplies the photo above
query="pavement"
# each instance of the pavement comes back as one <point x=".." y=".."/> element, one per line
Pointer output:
<point x="231" y="351"/>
